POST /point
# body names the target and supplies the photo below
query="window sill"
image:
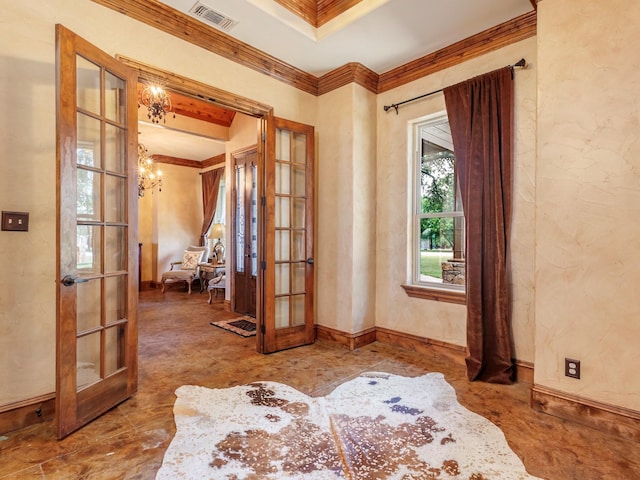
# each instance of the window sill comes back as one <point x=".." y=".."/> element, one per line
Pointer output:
<point x="438" y="294"/>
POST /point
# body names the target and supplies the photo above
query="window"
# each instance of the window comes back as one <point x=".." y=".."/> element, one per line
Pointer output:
<point x="438" y="219"/>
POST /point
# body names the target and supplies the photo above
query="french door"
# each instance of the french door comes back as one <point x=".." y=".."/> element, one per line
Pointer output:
<point x="96" y="345"/>
<point x="288" y="219"/>
<point x="245" y="231"/>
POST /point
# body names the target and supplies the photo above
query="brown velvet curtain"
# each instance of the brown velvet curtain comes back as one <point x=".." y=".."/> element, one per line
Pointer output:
<point x="480" y="113"/>
<point x="210" y="188"/>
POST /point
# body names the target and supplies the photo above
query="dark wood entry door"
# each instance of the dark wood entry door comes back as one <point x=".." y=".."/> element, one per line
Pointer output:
<point x="245" y="231"/>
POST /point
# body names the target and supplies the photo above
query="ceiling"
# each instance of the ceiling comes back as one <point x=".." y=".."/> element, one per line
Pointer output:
<point x="379" y="34"/>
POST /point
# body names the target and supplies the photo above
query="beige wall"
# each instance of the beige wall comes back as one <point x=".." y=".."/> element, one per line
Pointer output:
<point x="427" y="318"/>
<point x="178" y="210"/>
<point x="28" y="160"/>
<point x="574" y="241"/>
<point x="345" y="238"/>
<point x="588" y="180"/>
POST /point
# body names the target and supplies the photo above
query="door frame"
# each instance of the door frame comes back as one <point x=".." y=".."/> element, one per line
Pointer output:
<point x="265" y="116"/>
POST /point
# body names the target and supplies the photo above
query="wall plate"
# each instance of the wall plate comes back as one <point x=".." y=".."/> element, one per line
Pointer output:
<point x="15" y="221"/>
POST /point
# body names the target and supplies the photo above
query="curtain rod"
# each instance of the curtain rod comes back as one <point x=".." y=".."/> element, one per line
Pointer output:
<point x="520" y="63"/>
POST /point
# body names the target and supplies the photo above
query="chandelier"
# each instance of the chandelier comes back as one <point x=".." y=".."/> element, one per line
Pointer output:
<point x="157" y="101"/>
<point x="149" y="176"/>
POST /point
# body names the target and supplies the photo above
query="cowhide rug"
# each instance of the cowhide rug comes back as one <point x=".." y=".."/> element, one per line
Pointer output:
<point x="377" y="426"/>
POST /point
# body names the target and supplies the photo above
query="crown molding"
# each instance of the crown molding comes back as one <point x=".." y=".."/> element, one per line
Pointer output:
<point x="180" y="25"/>
<point x="494" y="38"/>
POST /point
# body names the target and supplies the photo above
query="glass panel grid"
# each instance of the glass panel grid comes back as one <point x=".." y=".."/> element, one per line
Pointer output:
<point x="88" y="85"/>
<point x="88" y="360"/>
<point x="254" y="220"/>
<point x="89" y="306"/>
<point x="240" y="218"/>
<point x="115" y="343"/>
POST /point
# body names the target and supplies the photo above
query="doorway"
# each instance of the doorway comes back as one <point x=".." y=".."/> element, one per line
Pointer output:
<point x="244" y="237"/>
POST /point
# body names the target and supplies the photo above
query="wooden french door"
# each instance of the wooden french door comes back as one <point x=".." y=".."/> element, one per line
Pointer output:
<point x="96" y="344"/>
<point x="288" y="277"/>
<point x="245" y="231"/>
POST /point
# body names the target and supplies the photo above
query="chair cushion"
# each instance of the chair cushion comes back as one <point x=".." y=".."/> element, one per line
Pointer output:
<point x="190" y="260"/>
<point x="178" y="275"/>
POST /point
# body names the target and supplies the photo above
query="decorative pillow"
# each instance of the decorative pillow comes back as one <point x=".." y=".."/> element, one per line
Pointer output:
<point x="190" y="260"/>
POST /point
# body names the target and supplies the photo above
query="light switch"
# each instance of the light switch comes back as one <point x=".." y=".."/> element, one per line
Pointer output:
<point x="15" y="221"/>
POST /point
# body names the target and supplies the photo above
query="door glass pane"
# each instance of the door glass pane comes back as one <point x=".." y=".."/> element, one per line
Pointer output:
<point x="298" y="248"/>
<point x="254" y="220"/>
<point x="115" y="249"/>
<point x="89" y="194"/>
<point x="115" y="194"/>
<point x="88" y="305"/>
<point x="282" y="245"/>
<point x="298" y="277"/>
<point x="115" y="299"/>
<point x="282" y="312"/>
<point x="114" y="149"/>
<point x="240" y="218"/>
<point x="114" y="349"/>
<point x="283" y="178"/>
<point x="299" y="180"/>
<point x="283" y="144"/>
<point x="299" y="148"/>
<point x="88" y="85"/>
<point x="298" y="218"/>
<point x="115" y="98"/>
<point x="88" y="141"/>
<point x="282" y="278"/>
<point x="297" y="310"/>
<point x="282" y="212"/>
<point x="88" y="248"/>
<point x="88" y="361"/>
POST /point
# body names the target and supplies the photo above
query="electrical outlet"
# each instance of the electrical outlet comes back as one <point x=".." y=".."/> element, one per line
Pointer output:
<point x="572" y="368"/>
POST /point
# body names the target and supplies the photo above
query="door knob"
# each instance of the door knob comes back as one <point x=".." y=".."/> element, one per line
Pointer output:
<point x="310" y="261"/>
<point x="69" y="280"/>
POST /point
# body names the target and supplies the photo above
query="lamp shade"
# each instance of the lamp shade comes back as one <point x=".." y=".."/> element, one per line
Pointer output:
<point x="217" y="231"/>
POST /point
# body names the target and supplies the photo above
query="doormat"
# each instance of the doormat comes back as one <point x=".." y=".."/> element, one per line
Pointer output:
<point x="376" y="426"/>
<point x="243" y="326"/>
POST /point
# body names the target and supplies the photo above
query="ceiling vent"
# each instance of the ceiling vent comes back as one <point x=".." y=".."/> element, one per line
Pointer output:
<point x="209" y="15"/>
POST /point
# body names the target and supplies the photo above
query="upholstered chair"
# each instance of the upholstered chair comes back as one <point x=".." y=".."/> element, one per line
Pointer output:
<point x="186" y="270"/>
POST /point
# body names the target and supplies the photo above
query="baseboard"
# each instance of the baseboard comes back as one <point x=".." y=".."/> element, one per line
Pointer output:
<point x="26" y="413"/>
<point x="423" y="345"/>
<point x="615" y="420"/>
<point x="350" y="340"/>
<point x="147" y="285"/>
<point x="524" y="371"/>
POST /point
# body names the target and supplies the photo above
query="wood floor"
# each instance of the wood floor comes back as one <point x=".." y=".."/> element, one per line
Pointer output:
<point x="178" y="346"/>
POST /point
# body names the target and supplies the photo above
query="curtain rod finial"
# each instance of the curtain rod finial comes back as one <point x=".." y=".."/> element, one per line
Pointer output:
<point x="389" y="107"/>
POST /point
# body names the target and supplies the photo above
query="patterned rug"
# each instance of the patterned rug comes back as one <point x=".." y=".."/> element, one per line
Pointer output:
<point x="377" y="426"/>
<point x="244" y="326"/>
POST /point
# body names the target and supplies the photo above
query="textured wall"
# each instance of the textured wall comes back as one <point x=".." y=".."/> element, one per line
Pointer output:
<point x="432" y="319"/>
<point x="27" y="160"/>
<point x="588" y="180"/>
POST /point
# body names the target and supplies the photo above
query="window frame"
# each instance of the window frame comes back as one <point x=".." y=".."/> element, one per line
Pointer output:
<point x="417" y="287"/>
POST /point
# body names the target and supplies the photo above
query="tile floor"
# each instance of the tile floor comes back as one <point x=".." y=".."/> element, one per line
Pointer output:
<point x="178" y="346"/>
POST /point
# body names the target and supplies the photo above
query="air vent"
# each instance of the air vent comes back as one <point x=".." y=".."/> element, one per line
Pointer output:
<point x="209" y="15"/>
